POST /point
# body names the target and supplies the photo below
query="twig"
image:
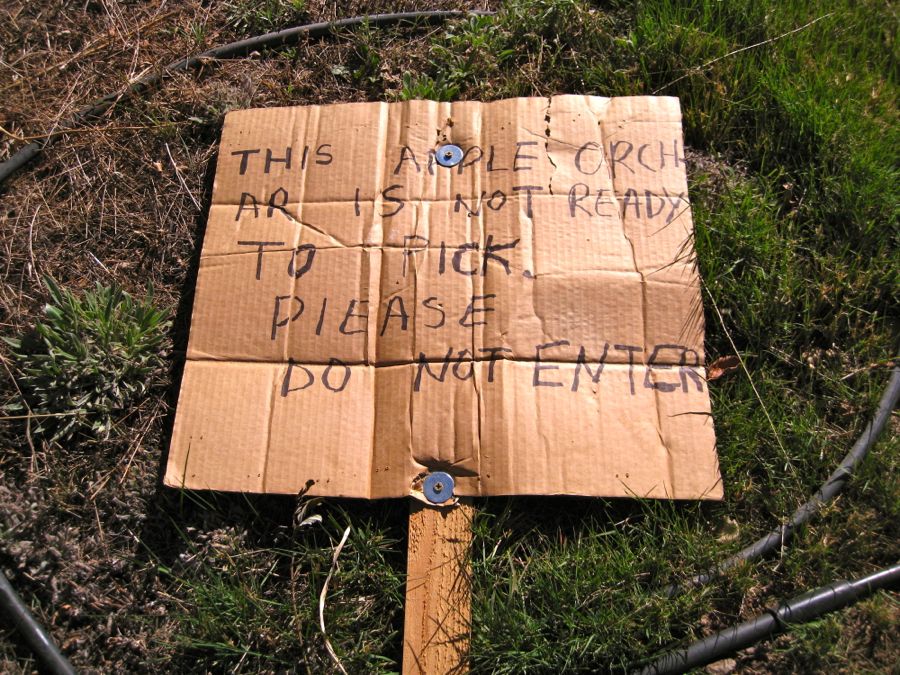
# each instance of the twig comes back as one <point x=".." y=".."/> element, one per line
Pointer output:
<point x="137" y="445"/>
<point x="4" y="418"/>
<point x="97" y="260"/>
<point x="889" y="363"/>
<point x="84" y="130"/>
<point x="13" y="136"/>
<point x="334" y="560"/>
<point x="33" y="267"/>
<point x="133" y="448"/>
<point x="181" y="179"/>
<point x="698" y="69"/>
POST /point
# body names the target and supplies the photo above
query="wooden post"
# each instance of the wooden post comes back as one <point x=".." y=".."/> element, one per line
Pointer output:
<point x="437" y="621"/>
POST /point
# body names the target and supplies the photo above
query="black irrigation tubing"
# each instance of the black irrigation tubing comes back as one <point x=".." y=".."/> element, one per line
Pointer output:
<point x="778" y="537"/>
<point x="41" y="644"/>
<point x="799" y="609"/>
<point x="233" y="49"/>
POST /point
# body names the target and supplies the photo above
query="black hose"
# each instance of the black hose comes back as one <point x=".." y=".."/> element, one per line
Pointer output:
<point x="801" y="609"/>
<point x="239" y="48"/>
<point x="41" y="644"/>
<point x="831" y="487"/>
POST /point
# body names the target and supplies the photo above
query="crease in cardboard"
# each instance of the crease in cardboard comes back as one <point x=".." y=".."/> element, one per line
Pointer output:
<point x="547" y="135"/>
<point x="476" y="371"/>
<point x="271" y="415"/>
<point x="294" y="136"/>
<point x="306" y="225"/>
<point x="555" y="422"/>
<point x="659" y="432"/>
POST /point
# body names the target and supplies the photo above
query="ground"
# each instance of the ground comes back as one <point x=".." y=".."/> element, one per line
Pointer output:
<point x="790" y="114"/>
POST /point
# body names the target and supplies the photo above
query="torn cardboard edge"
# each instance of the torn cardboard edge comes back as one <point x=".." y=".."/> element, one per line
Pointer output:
<point x="363" y="315"/>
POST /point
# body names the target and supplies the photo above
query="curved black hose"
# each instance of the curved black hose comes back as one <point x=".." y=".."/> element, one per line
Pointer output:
<point x="41" y="644"/>
<point x="239" y="48"/>
<point x="801" y="609"/>
<point x="831" y="487"/>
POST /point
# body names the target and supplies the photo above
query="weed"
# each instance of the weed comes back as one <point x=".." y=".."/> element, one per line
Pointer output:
<point x="469" y="52"/>
<point x="260" y="16"/>
<point x="90" y="359"/>
<point x="197" y="32"/>
<point x="194" y="31"/>
<point x="367" y="57"/>
<point x="426" y="87"/>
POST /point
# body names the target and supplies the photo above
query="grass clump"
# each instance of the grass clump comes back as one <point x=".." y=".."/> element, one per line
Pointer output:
<point x="255" y="16"/>
<point x="428" y="88"/>
<point x="90" y="359"/>
<point x="246" y="599"/>
<point x="560" y="586"/>
<point x="484" y="57"/>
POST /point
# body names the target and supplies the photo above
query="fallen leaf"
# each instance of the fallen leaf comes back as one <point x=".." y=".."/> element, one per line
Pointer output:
<point x="728" y="530"/>
<point x="722" y="366"/>
<point x="723" y="667"/>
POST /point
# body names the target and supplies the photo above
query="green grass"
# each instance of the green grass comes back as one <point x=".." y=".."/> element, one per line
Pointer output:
<point x="249" y="595"/>
<point x="579" y="587"/>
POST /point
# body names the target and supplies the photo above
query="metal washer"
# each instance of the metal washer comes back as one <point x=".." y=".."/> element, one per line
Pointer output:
<point x="438" y="487"/>
<point x="449" y="155"/>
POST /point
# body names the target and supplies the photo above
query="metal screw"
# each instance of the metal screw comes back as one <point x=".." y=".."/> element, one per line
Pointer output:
<point x="438" y="487"/>
<point x="449" y="155"/>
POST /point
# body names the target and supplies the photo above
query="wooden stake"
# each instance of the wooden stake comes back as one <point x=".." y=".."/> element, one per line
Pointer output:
<point x="437" y="622"/>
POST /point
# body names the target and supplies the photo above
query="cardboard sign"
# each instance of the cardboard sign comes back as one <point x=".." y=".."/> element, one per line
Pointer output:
<point x="528" y="320"/>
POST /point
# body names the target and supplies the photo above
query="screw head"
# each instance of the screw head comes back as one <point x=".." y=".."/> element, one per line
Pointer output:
<point x="449" y="155"/>
<point x="438" y="487"/>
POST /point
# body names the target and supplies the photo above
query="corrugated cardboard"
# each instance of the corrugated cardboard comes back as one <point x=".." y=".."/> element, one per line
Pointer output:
<point x="529" y="320"/>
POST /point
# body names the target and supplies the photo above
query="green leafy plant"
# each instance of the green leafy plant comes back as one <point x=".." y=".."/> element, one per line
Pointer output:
<point x="93" y="356"/>
<point x="426" y="87"/>
<point x="468" y="52"/>
<point x="255" y="16"/>
<point x="527" y="48"/>
<point x="366" y="61"/>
